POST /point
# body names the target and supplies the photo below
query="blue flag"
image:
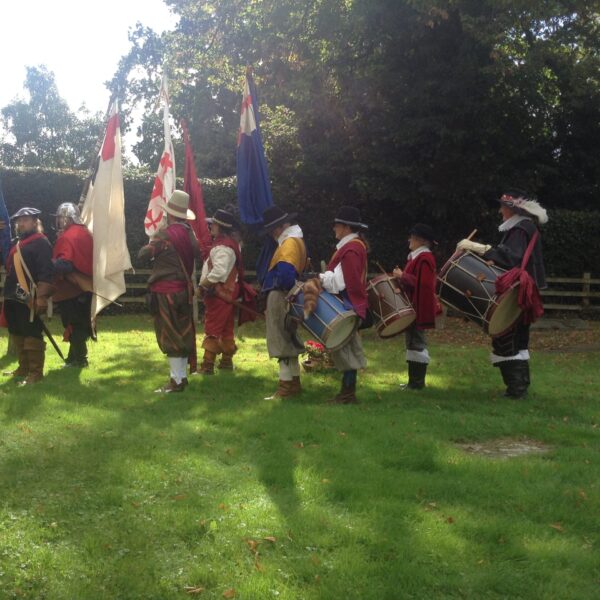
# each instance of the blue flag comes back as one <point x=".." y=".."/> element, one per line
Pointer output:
<point x="254" y="188"/>
<point x="4" y="233"/>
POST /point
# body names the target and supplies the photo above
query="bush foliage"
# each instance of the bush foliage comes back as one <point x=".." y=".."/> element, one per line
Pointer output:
<point x="571" y="238"/>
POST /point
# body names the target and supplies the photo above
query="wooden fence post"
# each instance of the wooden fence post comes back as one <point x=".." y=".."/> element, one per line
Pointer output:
<point x="586" y="289"/>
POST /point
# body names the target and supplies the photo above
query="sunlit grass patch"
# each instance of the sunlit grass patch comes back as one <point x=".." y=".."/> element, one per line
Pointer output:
<point x="112" y="491"/>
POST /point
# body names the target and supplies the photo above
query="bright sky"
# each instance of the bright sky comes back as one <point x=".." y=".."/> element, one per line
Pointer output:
<point x="79" y="40"/>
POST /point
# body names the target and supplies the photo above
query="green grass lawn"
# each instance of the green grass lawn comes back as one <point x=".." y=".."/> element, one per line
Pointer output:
<point x="108" y="490"/>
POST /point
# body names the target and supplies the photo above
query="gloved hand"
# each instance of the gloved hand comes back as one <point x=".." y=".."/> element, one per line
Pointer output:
<point x="468" y="245"/>
<point x="41" y="305"/>
<point x="207" y="292"/>
<point x="44" y="291"/>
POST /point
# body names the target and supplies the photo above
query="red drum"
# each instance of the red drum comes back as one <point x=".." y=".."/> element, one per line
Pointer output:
<point x="391" y="309"/>
<point x="467" y="284"/>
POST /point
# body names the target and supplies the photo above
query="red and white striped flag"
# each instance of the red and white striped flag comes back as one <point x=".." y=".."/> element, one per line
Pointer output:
<point x="104" y="214"/>
<point x="164" y="182"/>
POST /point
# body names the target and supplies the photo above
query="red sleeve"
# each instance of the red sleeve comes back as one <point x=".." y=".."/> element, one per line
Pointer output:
<point x="63" y="249"/>
<point x="353" y="268"/>
<point x="424" y="298"/>
<point x="408" y="281"/>
<point x="77" y="246"/>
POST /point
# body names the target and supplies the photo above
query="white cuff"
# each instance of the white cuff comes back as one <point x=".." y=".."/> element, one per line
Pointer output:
<point x="333" y="281"/>
<point x="420" y="356"/>
<point x="520" y="355"/>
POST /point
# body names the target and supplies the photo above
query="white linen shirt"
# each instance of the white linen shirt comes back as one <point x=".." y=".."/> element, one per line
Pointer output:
<point x="222" y="259"/>
<point x="333" y="281"/>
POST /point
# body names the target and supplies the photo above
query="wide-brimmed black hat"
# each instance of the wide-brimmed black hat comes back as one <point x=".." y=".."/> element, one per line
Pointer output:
<point x="350" y="215"/>
<point x="275" y="216"/>
<point x="423" y="231"/>
<point x="27" y="211"/>
<point x="223" y="218"/>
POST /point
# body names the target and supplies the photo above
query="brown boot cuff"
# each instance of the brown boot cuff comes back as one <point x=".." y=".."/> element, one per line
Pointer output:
<point x="211" y="344"/>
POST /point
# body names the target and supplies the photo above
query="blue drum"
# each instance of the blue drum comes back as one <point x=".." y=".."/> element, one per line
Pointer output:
<point x="331" y="323"/>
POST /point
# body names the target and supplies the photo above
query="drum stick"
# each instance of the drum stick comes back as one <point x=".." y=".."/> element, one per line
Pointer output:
<point x="472" y="234"/>
<point x="380" y="267"/>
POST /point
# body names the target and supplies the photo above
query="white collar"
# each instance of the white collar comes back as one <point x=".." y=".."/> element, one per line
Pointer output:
<point x="291" y="231"/>
<point x="420" y="250"/>
<point x="346" y="239"/>
<point x="511" y="222"/>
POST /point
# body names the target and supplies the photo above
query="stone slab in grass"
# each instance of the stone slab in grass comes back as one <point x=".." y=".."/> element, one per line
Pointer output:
<point x="505" y="448"/>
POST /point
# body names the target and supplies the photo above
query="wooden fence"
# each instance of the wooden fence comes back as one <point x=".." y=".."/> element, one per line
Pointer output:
<point x="567" y="293"/>
<point x="563" y="293"/>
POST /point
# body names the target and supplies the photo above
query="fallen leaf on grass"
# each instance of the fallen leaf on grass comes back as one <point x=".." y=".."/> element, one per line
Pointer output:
<point x="252" y="544"/>
<point x="230" y="593"/>
<point x="270" y="538"/>
<point x="558" y="527"/>
<point x="342" y="433"/>
<point x="222" y="506"/>
<point x="299" y="445"/>
<point x="189" y="589"/>
<point x="180" y="497"/>
<point x="136" y="504"/>
<point x="582" y="494"/>
<point x="450" y="520"/>
<point x="325" y="481"/>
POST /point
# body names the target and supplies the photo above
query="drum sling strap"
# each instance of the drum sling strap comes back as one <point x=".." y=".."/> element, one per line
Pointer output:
<point x="24" y="278"/>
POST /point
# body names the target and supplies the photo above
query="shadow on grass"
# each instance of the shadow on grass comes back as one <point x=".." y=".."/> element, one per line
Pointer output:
<point x="129" y="477"/>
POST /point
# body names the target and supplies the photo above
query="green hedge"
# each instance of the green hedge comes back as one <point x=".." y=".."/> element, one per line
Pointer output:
<point x="571" y="238"/>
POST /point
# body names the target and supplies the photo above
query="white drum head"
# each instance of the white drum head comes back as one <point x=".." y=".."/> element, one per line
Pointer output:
<point x="340" y="331"/>
<point x="398" y="325"/>
<point x="505" y="314"/>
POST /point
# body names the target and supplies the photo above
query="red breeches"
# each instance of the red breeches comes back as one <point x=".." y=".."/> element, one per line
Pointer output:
<point x="218" y="318"/>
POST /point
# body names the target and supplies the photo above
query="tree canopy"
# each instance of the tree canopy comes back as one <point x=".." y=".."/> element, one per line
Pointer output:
<point x="428" y="105"/>
<point x="44" y="131"/>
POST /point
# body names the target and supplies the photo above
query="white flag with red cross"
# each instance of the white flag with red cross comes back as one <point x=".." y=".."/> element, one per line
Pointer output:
<point x="164" y="182"/>
<point x="104" y="215"/>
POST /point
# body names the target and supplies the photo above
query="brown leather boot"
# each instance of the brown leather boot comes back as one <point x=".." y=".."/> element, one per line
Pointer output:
<point x="296" y="385"/>
<point x="207" y="366"/>
<point x="211" y="349"/>
<point x="170" y="387"/>
<point x="36" y="355"/>
<point x="284" y="390"/>
<point x="228" y="348"/>
<point x="23" y="369"/>
<point x="347" y="395"/>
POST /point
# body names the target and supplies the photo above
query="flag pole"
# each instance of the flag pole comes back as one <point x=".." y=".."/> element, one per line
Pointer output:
<point x="93" y="168"/>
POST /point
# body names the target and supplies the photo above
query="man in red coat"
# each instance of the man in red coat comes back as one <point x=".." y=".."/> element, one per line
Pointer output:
<point x="346" y="275"/>
<point x="418" y="281"/>
<point x="73" y="255"/>
<point x="219" y="284"/>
